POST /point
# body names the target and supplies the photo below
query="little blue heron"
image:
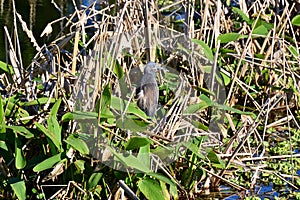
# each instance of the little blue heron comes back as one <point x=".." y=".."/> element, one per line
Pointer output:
<point x="147" y="90"/>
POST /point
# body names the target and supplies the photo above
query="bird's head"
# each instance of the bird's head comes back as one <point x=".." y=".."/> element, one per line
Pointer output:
<point x="152" y="67"/>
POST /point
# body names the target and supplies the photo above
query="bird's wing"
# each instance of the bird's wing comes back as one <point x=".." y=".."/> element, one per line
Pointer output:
<point x="148" y="98"/>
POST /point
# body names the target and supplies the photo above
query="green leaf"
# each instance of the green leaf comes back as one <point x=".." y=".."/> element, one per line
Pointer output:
<point x="3" y="145"/>
<point x="204" y="91"/>
<point x="52" y="136"/>
<point x="20" y="160"/>
<point x="120" y="104"/>
<point x="162" y="178"/>
<point x="193" y="148"/>
<point x="242" y="14"/>
<point x="21" y="130"/>
<point x="174" y="191"/>
<point x="294" y="50"/>
<point x="82" y="116"/>
<point x="19" y="188"/>
<point x="78" y="115"/>
<point x="191" y="109"/>
<point x="163" y="152"/>
<point x="105" y="99"/>
<point x="13" y="110"/>
<point x="199" y="125"/>
<point x="212" y="156"/>
<point x="164" y="190"/>
<point x="225" y="78"/>
<point x="260" y="30"/>
<point x="207" y="51"/>
<point x="6" y="68"/>
<point x="296" y="20"/>
<point x="229" y="37"/>
<point x="94" y="180"/>
<point x="118" y="70"/>
<point x="48" y="163"/>
<point x="206" y="99"/>
<point x="137" y="142"/>
<point x="53" y="124"/>
<point x="151" y="189"/>
<point x="2" y="117"/>
<point x="130" y="161"/>
<point x="80" y="165"/>
<point x="77" y="144"/>
<point x="144" y="154"/>
<point x="132" y="124"/>
<point x="39" y="101"/>
<point x="228" y="108"/>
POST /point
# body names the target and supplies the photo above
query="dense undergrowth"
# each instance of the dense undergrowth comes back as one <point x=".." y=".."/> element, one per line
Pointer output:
<point x="228" y="114"/>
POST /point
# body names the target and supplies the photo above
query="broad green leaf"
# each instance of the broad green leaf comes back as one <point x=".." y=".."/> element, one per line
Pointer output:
<point x="6" y="68"/>
<point x="191" y="109"/>
<point x="294" y="51"/>
<point x="130" y="161"/>
<point x="3" y="145"/>
<point x="94" y="180"/>
<point x="225" y="51"/>
<point x="52" y="136"/>
<point x="118" y="70"/>
<point x="14" y="111"/>
<point x="137" y="142"/>
<point x="242" y="14"/>
<point x="120" y="104"/>
<point x="225" y="78"/>
<point x="163" y="152"/>
<point x="77" y="144"/>
<point x="151" y="189"/>
<point x="20" y="160"/>
<point x="207" y="51"/>
<point x="105" y="99"/>
<point x="48" y="163"/>
<point x="19" y="188"/>
<point x="267" y="25"/>
<point x="80" y="165"/>
<point x="260" y="30"/>
<point x="162" y="178"/>
<point x="135" y="125"/>
<point x="78" y="115"/>
<point x="214" y="159"/>
<point x="171" y="79"/>
<point x="206" y="68"/>
<point x="39" y="101"/>
<point x="181" y="47"/>
<point x="193" y="148"/>
<point x="206" y="99"/>
<point x="90" y="116"/>
<point x="228" y="108"/>
<point x="229" y="37"/>
<point x="21" y="130"/>
<point x="53" y="124"/>
<point x="296" y="20"/>
<point x="144" y="154"/>
<point x="199" y="125"/>
<point x="174" y="191"/>
<point x="204" y="91"/>
<point x="164" y="190"/>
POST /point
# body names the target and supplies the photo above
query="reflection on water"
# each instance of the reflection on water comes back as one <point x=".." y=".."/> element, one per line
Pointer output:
<point x="37" y="14"/>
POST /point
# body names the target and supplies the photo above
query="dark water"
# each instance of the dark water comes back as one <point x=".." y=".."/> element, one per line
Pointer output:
<point x="37" y="14"/>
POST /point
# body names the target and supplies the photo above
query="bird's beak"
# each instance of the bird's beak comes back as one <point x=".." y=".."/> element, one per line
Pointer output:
<point x="159" y="68"/>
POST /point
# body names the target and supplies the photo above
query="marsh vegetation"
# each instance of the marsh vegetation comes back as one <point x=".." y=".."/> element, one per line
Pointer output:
<point x="227" y="123"/>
